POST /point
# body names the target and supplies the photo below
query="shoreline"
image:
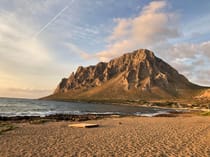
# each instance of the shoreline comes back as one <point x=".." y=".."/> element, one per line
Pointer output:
<point x="86" y="117"/>
<point x="168" y="103"/>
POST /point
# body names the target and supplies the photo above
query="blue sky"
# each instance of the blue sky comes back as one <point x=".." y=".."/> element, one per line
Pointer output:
<point x="42" y="41"/>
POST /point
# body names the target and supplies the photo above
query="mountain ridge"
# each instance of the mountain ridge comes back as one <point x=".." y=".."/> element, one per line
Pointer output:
<point x="136" y="75"/>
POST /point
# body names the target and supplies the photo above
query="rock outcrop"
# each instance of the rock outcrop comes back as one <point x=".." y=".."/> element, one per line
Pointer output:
<point x="204" y="95"/>
<point x="131" y="76"/>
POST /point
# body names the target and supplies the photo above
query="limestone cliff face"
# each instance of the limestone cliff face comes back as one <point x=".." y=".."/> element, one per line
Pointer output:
<point x="140" y="70"/>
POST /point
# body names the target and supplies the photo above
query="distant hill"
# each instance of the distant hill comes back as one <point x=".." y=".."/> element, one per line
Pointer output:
<point x="135" y="76"/>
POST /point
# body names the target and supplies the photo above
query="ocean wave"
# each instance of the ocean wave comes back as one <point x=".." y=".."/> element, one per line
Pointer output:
<point x="151" y="114"/>
<point x="47" y="113"/>
<point x="39" y="114"/>
<point x="25" y="107"/>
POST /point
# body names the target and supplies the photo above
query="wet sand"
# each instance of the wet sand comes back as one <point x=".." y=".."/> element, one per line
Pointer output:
<point x="127" y="136"/>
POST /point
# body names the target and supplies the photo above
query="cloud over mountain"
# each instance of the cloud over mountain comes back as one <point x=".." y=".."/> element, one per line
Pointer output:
<point x="152" y="26"/>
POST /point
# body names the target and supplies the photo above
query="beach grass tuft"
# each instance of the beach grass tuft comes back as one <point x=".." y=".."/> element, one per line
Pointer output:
<point x="4" y="126"/>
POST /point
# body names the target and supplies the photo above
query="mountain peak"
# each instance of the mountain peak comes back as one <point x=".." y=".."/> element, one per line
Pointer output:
<point x="142" y="53"/>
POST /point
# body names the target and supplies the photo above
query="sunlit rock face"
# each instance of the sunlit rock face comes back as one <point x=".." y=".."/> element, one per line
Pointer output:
<point x="140" y="69"/>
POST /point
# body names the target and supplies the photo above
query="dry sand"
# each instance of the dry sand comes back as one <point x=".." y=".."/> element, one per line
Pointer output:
<point x="129" y="136"/>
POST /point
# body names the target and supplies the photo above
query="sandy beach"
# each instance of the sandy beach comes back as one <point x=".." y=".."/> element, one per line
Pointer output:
<point x="128" y="136"/>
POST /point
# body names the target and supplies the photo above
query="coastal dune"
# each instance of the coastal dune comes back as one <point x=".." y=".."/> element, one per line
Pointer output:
<point x="128" y="136"/>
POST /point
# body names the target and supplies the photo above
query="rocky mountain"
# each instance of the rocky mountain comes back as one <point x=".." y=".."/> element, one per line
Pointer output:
<point x="133" y="76"/>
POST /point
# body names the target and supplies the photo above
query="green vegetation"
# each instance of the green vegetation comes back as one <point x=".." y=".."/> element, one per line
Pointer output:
<point x="40" y="121"/>
<point x="207" y="113"/>
<point x="5" y="127"/>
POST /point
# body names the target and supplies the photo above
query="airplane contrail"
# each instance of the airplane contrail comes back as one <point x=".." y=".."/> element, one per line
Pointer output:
<point x="52" y="20"/>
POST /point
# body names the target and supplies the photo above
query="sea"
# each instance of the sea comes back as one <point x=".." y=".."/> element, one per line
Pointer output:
<point x="12" y="107"/>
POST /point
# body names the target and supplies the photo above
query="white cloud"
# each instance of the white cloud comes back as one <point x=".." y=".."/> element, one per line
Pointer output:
<point x="17" y="44"/>
<point x="73" y="48"/>
<point x="25" y="62"/>
<point x="115" y="49"/>
<point x="205" y="48"/>
<point x="121" y="30"/>
<point x="190" y="59"/>
<point x="151" y="27"/>
<point x="180" y="51"/>
<point x="190" y="51"/>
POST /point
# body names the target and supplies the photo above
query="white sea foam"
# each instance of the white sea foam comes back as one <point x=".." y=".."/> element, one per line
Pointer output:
<point x="103" y="113"/>
<point x="151" y="114"/>
<point x="40" y="114"/>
